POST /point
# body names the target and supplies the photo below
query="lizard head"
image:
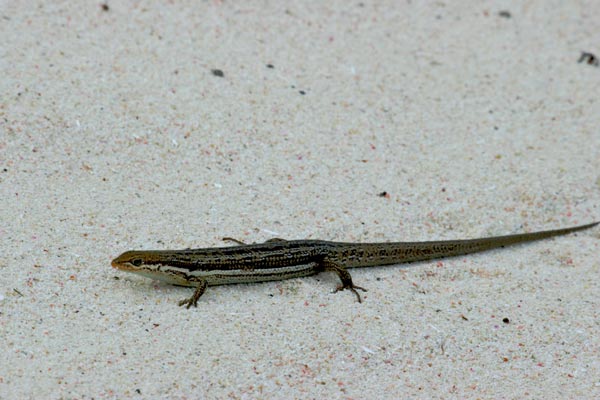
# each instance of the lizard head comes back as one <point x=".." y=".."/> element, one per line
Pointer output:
<point x="152" y="264"/>
<point x="131" y="261"/>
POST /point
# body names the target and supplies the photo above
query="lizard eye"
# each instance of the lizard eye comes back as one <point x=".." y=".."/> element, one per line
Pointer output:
<point x="136" y="262"/>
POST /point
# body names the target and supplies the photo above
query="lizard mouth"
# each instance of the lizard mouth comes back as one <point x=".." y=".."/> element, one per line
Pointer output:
<point x="128" y="261"/>
<point x="124" y="265"/>
<point x="117" y="264"/>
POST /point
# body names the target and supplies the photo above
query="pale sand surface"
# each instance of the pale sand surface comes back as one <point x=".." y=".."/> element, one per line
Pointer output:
<point x="115" y="134"/>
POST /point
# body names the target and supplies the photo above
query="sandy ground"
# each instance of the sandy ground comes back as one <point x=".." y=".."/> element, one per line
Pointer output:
<point x="161" y="125"/>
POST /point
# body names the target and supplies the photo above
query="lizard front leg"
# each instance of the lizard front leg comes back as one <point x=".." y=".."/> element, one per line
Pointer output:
<point x="200" y="289"/>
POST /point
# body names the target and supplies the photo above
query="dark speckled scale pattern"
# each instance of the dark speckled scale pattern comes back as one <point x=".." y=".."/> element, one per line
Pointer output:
<point x="281" y="259"/>
<point x="349" y="255"/>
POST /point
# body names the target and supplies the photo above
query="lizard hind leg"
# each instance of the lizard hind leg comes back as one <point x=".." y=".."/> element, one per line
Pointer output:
<point x="345" y="277"/>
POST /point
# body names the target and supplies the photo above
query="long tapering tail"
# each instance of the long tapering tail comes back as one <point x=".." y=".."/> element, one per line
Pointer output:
<point x="371" y="254"/>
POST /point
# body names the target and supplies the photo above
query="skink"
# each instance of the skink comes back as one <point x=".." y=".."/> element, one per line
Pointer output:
<point x="279" y="259"/>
